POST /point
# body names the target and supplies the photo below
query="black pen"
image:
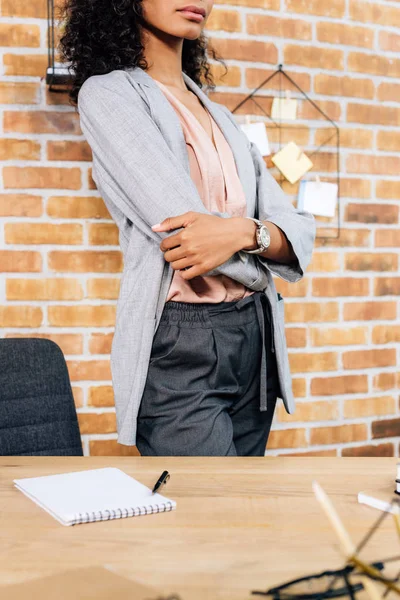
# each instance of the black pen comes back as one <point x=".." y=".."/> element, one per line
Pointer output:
<point x="162" y="479"/>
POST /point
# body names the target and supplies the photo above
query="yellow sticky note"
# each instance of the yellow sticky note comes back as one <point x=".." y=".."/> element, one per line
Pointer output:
<point x="292" y="162"/>
<point x="284" y="108"/>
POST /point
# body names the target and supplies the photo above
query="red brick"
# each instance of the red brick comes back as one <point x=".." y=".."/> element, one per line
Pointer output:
<point x="369" y="407"/>
<point x="386" y="428"/>
<point x="371" y="261"/>
<point x="332" y="287"/>
<point x="370" y="450"/>
<point x="338" y="435"/>
<point x="369" y="311"/>
<point x="111" y="448"/>
<point x="97" y="422"/>
<point x="287" y="438"/>
<point x="387" y="286"/>
<point x="344" y="384"/>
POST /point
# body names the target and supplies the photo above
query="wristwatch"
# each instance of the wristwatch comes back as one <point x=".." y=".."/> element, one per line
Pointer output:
<point x="262" y="236"/>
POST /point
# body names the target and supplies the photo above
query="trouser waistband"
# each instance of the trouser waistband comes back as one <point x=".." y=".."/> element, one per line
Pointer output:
<point x="198" y="314"/>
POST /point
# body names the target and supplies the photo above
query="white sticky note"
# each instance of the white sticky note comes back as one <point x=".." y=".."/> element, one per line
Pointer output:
<point x="284" y="108"/>
<point x="318" y="198"/>
<point x="257" y="133"/>
<point x="292" y="162"/>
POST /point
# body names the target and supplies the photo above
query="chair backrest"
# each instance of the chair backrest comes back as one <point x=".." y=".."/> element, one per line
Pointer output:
<point x="37" y="409"/>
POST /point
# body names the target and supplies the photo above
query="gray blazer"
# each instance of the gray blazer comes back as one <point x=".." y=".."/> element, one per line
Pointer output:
<point x="141" y="169"/>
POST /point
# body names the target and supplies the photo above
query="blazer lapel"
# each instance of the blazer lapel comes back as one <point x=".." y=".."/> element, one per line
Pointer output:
<point x="168" y="122"/>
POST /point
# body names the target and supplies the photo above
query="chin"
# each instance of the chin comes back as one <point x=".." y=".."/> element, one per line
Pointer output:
<point x="190" y="32"/>
<point x="192" y="35"/>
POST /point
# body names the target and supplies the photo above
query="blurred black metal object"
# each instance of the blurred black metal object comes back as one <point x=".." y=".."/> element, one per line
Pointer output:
<point x="336" y="583"/>
<point x="316" y="588"/>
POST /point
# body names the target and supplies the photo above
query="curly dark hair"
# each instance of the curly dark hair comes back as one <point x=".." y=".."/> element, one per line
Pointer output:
<point x="100" y="36"/>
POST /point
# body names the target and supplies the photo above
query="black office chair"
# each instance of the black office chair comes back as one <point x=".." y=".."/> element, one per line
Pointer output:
<point x="37" y="410"/>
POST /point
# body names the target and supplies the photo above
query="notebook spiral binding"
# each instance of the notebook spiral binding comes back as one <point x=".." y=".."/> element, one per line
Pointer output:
<point x="120" y="513"/>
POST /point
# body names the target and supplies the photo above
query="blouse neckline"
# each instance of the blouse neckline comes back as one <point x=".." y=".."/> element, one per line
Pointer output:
<point x="189" y="112"/>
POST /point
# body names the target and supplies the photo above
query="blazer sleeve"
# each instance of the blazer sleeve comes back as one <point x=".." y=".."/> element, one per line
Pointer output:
<point x="275" y="206"/>
<point x="134" y="165"/>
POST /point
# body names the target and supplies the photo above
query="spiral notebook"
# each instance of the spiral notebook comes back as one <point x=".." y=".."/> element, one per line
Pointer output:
<point x="93" y="495"/>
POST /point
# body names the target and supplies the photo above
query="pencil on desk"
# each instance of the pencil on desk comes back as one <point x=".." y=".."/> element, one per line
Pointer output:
<point x="347" y="545"/>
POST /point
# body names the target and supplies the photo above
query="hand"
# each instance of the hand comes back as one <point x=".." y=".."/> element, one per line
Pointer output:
<point x="206" y="242"/>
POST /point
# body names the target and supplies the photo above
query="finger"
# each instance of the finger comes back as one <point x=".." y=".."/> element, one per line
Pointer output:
<point x="172" y="223"/>
<point x="161" y="226"/>
<point x="182" y="263"/>
<point x="172" y="241"/>
<point x="175" y="254"/>
<point x="193" y="271"/>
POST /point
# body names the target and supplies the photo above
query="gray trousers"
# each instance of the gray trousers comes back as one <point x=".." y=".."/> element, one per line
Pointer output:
<point x="204" y="393"/>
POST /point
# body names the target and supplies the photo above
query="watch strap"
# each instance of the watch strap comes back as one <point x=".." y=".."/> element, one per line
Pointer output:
<point x="259" y="249"/>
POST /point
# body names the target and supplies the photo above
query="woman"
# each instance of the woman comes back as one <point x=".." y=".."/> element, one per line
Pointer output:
<point x="199" y="353"/>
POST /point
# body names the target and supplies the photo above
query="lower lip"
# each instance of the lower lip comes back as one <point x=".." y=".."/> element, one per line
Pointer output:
<point x="192" y="15"/>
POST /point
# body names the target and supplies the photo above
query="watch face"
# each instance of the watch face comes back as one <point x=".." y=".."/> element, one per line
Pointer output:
<point x="264" y="236"/>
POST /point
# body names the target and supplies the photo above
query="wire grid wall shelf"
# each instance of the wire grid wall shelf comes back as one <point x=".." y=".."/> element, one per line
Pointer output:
<point x="58" y="75"/>
<point x="320" y="142"/>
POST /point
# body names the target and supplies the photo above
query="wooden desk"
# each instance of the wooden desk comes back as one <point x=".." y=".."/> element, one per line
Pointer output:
<point x="241" y="523"/>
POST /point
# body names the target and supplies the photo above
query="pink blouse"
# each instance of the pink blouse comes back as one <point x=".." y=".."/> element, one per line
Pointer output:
<point x="214" y="173"/>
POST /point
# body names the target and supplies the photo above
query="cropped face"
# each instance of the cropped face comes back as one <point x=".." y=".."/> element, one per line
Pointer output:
<point x="180" y="18"/>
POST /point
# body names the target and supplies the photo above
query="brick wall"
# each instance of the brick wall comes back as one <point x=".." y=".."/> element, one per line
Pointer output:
<point x="59" y="249"/>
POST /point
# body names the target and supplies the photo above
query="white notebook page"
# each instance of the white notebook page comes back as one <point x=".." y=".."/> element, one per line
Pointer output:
<point x="108" y="493"/>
